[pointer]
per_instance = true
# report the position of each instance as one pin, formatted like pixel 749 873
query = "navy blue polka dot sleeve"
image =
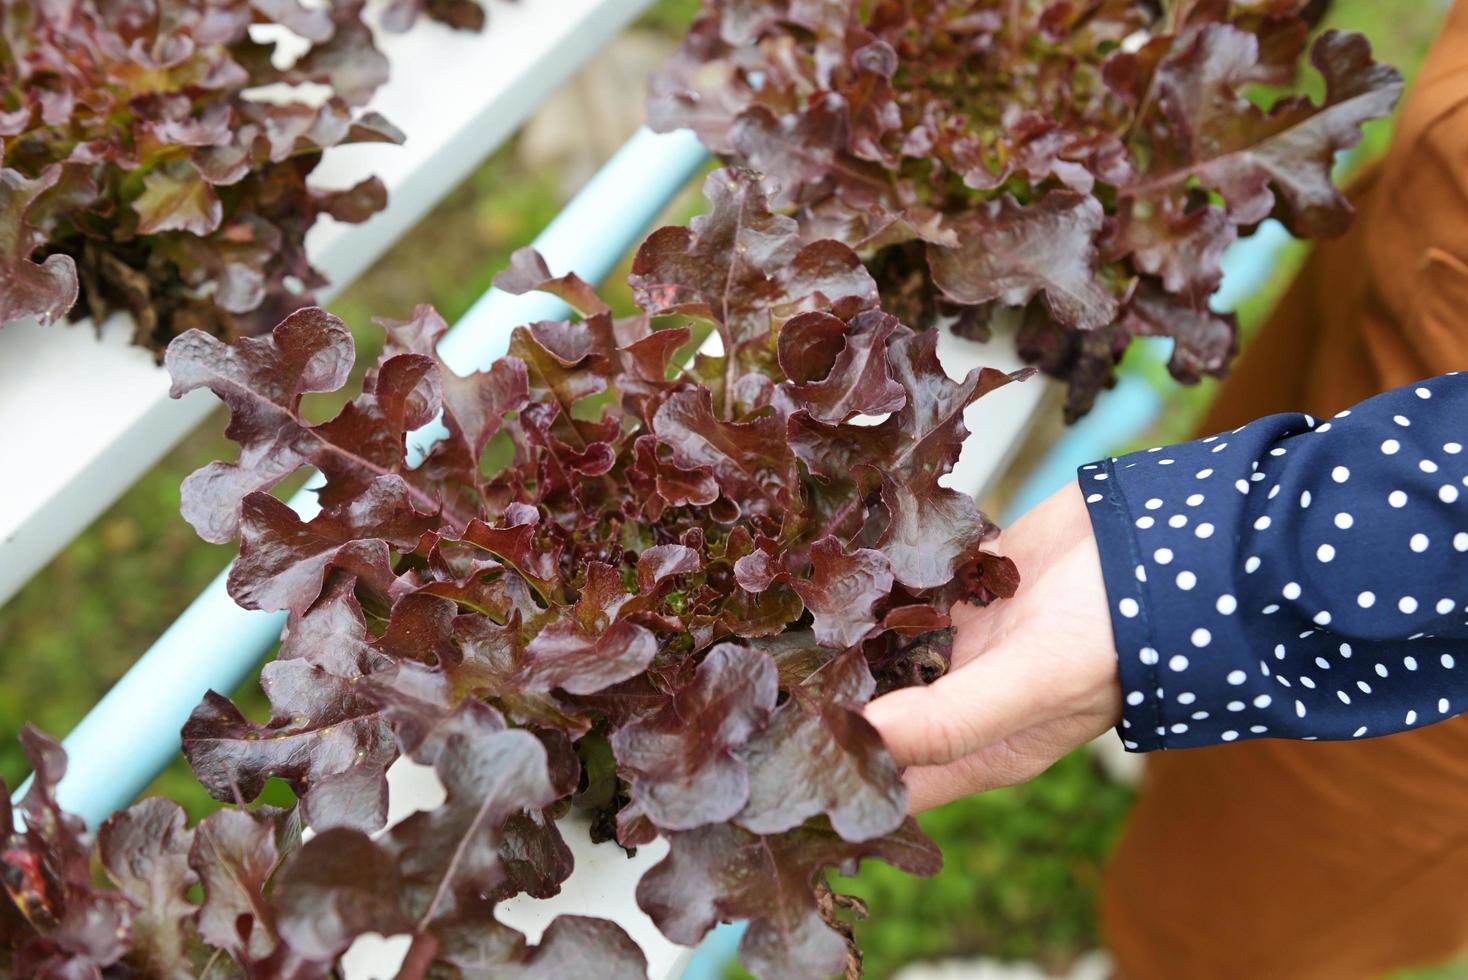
pixel 1294 578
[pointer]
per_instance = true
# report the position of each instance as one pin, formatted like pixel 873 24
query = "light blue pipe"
pixel 718 951
pixel 1129 407
pixel 591 235
pixel 1134 403
pixel 133 732
pixel 1249 264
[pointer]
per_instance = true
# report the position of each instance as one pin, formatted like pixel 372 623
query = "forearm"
pixel 1295 578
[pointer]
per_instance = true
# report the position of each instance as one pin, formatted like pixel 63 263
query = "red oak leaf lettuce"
pixel 720 872
pixel 240 893
pixel 141 170
pixel 1087 162
pixel 665 597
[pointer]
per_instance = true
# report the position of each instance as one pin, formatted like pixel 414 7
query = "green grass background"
pixel 1023 864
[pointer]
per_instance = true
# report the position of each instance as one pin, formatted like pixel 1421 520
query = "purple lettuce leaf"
pixel 1035 155
pixel 141 174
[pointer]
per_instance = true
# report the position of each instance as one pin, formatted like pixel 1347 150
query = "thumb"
pixel 984 701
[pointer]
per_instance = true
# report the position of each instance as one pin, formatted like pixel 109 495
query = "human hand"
pixel 1032 677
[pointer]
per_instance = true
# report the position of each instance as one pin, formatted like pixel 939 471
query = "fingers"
pixel 988 699
pixel 976 629
pixel 991 768
pixel 1016 759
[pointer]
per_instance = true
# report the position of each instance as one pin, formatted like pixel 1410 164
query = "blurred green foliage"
pixel 670 16
pixel 1021 868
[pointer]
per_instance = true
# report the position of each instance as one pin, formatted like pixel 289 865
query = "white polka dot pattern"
pixel 1269 585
